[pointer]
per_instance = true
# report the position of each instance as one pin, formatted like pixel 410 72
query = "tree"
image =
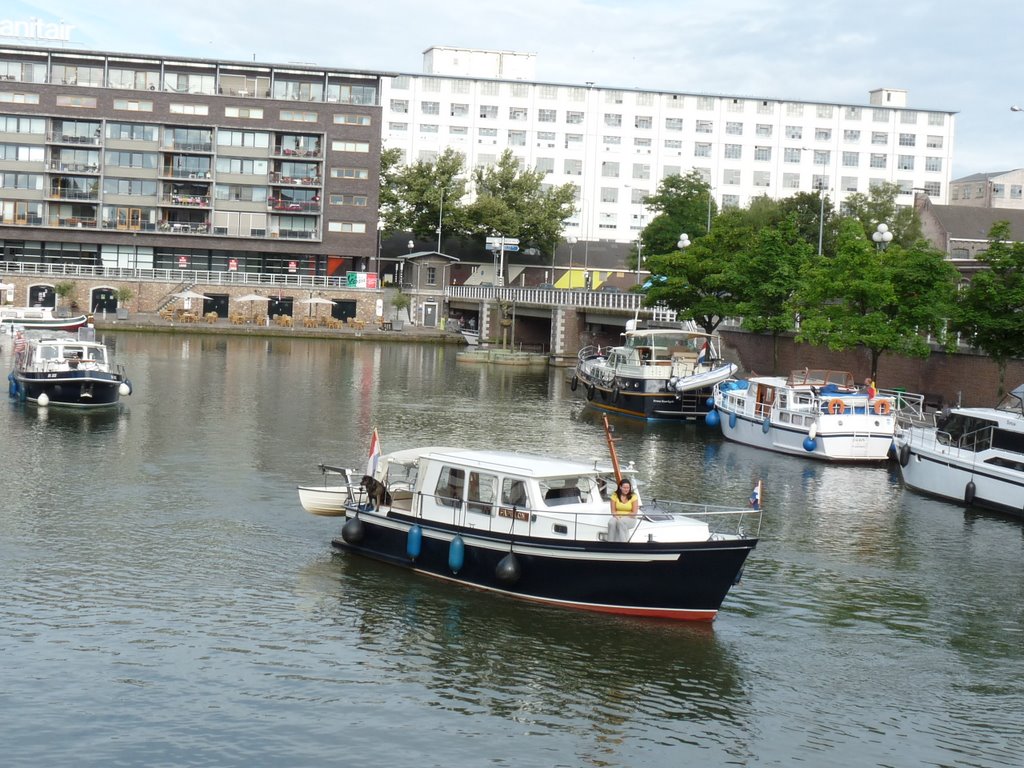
pixel 879 207
pixel 681 205
pixel 884 300
pixel 697 281
pixel 766 276
pixel 412 196
pixel 814 217
pixel 990 312
pixel 513 201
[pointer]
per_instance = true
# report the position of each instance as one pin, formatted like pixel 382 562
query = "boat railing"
pixel 721 521
pixel 355 492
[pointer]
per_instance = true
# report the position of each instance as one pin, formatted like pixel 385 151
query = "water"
pixel 165 600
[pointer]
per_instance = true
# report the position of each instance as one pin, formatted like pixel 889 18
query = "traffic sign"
pixel 499 240
pixel 511 247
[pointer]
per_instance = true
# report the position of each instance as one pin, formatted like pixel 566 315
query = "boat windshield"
pixel 664 345
pixel 1013 402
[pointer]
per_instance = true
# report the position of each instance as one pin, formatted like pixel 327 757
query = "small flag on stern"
pixel 703 354
pixel 755 497
pixel 371 464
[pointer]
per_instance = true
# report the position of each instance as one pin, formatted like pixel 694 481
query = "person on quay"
pixel 625 504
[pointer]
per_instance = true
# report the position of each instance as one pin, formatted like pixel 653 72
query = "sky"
pixel 949 55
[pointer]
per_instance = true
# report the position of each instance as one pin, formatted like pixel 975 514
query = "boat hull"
pixel 73 389
pixel 45 324
pixel 685 581
pixel 960 476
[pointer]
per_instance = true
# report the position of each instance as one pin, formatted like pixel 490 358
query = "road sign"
pixel 511 247
pixel 499 240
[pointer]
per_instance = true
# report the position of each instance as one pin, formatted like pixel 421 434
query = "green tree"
pixel 814 216
pixel 884 300
pixel 412 196
pixel 990 312
pixel 697 281
pixel 879 207
pixel 513 201
pixel 766 276
pixel 681 204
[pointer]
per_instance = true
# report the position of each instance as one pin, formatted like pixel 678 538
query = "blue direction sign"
pixel 511 247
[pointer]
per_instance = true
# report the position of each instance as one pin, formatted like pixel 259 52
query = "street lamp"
pixel 639 258
pixel 440 213
pixel 684 241
pixel 710 190
pixel 882 236
pixel 572 244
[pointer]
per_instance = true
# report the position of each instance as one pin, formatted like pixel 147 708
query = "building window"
pixel 730 201
pixel 572 140
pixel 574 118
pixel 488 112
pixel 765 108
pixel 641 141
pixel 545 136
pixel 933 188
pixel 133 105
pixel 823 134
pixel 643 122
pixel 735 105
pixel 518 113
pixel 350 146
pixel 791 181
pixel 610 169
pixel 400 105
pixel 347 227
pixel 735 151
pixel 936 118
pixel 573 168
pixel 791 155
pixel 430 107
pixel 880 115
pixel 794 132
pixel 351 119
pixel 638 196
pixel 848 183
pixel 731 177
pixel 226 138
pixel 998 190
pixel 611 139
pixel 853 113
pixel 851 159
pixel 428 127
pixel 879 138
pixel 934 142
pixel 706 103
pixel 705 126
pixel 908 117
pixel 824 111
pixel 907 139
pixel 734 129
pixel 296 116
pixel 549 92
pixel 851 137
pixel 398 127
pixel 547 115
pixel 244 113
pixel 517 138
pixel 78 102
pixel 762 153
pixel 613 120
pixel 878 160
pixel 545 165
pixel 764 130
pixel 701 149
pixel 607 221
pixel 13 97
pixel 458 130
pixel 609 194
pixel 762 178
pixel 673 144
pixel 487 132
pixel 190 109
pixel 673 123
pixel 795 110
pixel 641 171
pixel 905 162
pixel 933 163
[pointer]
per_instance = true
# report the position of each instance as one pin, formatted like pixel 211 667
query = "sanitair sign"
pixel 36 29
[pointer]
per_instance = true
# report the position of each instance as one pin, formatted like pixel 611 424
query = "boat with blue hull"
pixel 817 413
pixel 539 529
pixel 64 369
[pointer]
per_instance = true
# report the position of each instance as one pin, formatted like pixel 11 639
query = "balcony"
pixel 295 181
pixel 57 165
pixel 66 138
pixel 57 193
pixel 205 147
pixel 184 227
pixel 73 222
pixel 188 201
pixel 294 206
pixel 300 152
pixel 185 173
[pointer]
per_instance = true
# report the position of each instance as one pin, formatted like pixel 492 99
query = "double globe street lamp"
pixel 882 236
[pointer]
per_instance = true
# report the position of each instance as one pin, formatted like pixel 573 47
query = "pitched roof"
pixel 969 223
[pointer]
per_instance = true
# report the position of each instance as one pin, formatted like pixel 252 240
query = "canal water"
pixel 164 600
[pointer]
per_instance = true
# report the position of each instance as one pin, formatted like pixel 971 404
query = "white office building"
pixel 615 145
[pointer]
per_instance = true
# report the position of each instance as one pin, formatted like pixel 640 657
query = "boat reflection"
pixel 522 661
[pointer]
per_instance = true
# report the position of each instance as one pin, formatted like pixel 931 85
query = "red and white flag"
pixel 371 464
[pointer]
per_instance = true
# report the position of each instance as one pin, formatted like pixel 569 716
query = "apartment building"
pixel 615 145
pixel 145 161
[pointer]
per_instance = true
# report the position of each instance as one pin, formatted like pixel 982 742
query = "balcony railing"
pixel 192 201
pixel 298 181
pixel 67 138
pixel 57 165
pixel 75 194
pixel 294 206
pixel 74 222
pixel 185 227
pixel 185 173
pixel 184 146
pixel 282 151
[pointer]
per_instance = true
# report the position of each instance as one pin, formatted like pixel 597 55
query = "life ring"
pixel 590 391
pixel 835 405
pixel 883 407
pixel 573 383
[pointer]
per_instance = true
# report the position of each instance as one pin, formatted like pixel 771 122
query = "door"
pixel 430 314
pixel 134 218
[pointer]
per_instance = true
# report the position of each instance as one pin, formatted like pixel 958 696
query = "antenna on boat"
pixel 611 449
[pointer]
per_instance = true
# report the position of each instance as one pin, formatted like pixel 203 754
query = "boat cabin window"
pixel 48 353
pixel 450 485
pixel 94 353
pixel 402 474
pixel 482 492
pixel 967 432
pixel 562 490
pixel 513 493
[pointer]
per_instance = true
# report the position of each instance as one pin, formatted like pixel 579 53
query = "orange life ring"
pixel 883 407
pixel 835 405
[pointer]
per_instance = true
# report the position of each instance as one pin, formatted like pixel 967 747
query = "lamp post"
pixel 440 213
pixel 882 236
pixel 572 244
pixel 684 241
pixel 639 258
pixel 380 247
pixel 710 190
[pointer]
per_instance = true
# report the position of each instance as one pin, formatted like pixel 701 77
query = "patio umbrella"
pixel 187 297
pixel 251 297
pixel 316 301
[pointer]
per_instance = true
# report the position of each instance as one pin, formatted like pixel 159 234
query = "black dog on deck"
pixel 376 491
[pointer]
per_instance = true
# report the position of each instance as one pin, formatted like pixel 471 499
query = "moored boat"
pixel 38 318
pixel 539 529
pixel 972 456
pixel 63 369
pixel 657 373
pixel 817 413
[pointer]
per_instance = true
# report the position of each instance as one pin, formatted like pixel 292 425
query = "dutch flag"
pixel 755 497
pixel 371 464
pixel 703 354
